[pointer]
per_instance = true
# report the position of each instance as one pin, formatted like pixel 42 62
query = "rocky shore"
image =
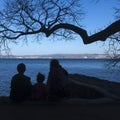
pixel 112 87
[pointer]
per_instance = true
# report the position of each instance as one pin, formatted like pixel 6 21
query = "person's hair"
pixel 21 68
pixel 40 77
pixel 54 63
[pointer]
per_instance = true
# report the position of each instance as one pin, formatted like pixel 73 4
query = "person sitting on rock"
pixel 20 85
pixel 39 89
pixel 57 80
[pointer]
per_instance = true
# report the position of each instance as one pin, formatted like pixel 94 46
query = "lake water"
pixel 91 67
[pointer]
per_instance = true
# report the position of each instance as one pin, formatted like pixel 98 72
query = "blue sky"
pixel 98 15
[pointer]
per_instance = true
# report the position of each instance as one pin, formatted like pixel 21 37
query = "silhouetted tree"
pixel 20 18
pixel 114 43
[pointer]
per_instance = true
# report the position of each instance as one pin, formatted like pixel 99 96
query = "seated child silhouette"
pixel 39 89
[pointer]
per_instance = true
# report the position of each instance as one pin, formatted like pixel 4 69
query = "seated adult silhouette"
pixel 39 91
pixel 20 85
pixel 57 80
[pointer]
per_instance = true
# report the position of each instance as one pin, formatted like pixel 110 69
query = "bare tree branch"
pixel 21 18
pixel 102 35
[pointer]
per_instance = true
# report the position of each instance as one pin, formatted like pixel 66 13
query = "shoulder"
pixel 28 78
pixel 15 76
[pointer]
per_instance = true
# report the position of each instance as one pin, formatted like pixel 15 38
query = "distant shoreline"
pixel 55 58
pixel 58 56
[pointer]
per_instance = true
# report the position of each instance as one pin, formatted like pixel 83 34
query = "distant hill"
pixel 57 56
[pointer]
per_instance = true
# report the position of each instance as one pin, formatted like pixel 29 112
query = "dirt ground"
pixel 101 111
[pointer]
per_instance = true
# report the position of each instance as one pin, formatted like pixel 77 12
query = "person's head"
pixel 40 77
pixel 21 68
pixel 54 63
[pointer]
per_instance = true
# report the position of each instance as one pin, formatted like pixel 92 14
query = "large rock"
pixel 74 90
pixel 77 89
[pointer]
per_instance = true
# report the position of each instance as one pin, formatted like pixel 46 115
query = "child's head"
pixel 40 77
